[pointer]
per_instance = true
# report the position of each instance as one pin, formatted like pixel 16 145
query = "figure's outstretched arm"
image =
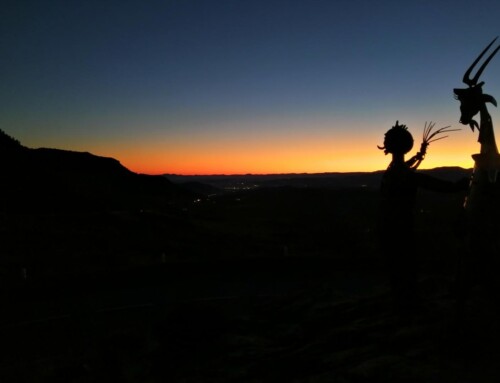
pixel 429 182
pixel 416 160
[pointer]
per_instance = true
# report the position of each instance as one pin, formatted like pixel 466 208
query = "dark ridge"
pixel 9 143
pixel 48 179
pixel 58 160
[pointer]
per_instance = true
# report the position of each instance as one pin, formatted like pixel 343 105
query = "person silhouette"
pixel 398 190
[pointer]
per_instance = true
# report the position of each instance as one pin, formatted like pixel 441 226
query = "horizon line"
pixel 293 173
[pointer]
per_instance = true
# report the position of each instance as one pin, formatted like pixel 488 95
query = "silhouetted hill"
pixel 8 143
pixel 60 180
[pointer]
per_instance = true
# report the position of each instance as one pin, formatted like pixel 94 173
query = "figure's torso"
pixel 398 191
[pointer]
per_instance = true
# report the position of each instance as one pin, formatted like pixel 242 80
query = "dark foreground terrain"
pixel 297 321
pixel 279 284
pixel 111 276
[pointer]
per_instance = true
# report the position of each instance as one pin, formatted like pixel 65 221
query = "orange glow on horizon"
pixel 272 157
pixel 282 148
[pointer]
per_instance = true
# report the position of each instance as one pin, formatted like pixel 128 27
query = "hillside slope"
pixel 47 179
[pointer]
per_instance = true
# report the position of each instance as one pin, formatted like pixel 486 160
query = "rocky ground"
pixel 321 331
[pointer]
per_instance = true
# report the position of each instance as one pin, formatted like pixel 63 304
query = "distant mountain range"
pixel 213 184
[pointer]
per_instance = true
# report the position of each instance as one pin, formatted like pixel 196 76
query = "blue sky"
pixel 132 78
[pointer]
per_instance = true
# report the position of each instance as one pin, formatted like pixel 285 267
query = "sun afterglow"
pixel 278 155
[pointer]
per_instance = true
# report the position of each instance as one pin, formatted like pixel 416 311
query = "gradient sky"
pixel 241 86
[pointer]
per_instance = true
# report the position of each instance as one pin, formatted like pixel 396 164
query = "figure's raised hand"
pixel 430 136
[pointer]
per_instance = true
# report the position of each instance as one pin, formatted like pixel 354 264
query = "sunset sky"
pixel 241 86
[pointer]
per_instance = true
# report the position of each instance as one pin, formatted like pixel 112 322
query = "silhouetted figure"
pixel 481 262
pixel 399 188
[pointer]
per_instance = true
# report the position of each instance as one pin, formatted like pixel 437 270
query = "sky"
pixel 242 86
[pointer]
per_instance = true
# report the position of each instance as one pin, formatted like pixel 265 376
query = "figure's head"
pixel 472 98
pixel 398 140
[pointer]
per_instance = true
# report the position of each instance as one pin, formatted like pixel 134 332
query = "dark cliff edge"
pixel 47 179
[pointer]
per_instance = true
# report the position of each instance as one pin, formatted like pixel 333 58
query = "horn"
pixel 490 99
pixel 473 82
